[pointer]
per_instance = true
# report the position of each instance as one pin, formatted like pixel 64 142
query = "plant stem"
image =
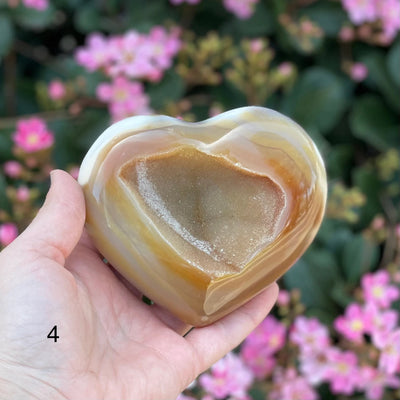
pixel 10 83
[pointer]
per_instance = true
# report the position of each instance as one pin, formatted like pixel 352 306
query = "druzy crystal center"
pixel 214 213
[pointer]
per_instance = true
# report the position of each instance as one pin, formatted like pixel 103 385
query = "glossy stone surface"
pixel 200 217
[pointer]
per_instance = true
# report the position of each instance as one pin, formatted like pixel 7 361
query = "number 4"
pixel 53 334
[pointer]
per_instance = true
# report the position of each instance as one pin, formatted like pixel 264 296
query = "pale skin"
pixel 111 345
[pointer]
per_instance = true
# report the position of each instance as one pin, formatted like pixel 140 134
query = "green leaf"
pixel 326 393
pixel 5 145
pixel 4 203
pixel 88 18
pixel 330 16
pixel 393 62
pixel 359 257
pixel 314 274
pixel 372 122
pixel 318 99
pixel 333 234
pixel 379 75
pixel 34 19
pixel 89 127
pixel 342 293
pixel 256 393
pixel 261 23
pixel 6 34
pixel 338 160
pixel 142 17
pixel 170 89
pixel 367 180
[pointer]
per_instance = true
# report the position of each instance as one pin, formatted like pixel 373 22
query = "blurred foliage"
pixel 224 63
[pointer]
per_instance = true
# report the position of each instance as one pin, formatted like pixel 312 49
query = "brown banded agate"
pixel 201 217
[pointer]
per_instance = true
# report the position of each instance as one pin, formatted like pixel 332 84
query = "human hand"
pixel 111 345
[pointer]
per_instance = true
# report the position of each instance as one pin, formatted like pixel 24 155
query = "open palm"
pixel 110 344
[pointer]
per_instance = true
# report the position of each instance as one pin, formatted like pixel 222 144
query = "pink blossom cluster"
pixel 32 135
pixel 39 5
pixel 386 11
pixel 372 322
pixel 124 97
pixel 362 324
pixel 8 232
pixel 133 54
pixel 260 347
pixel 228 377
pixel 360 353
pixel 243 9
pixel 126 59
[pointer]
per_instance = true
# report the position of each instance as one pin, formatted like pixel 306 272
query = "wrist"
pixel 21 383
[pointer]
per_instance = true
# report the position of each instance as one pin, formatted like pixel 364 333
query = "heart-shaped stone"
pixel 200 217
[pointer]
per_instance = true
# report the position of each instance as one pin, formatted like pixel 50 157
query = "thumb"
pixel 58 226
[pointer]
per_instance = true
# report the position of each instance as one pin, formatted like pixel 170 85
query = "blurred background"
pixel 69 68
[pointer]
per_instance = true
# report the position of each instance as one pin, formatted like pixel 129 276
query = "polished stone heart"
pixel 202 216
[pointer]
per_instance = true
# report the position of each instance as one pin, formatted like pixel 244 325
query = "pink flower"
pixel 215 110
pixel 389 360
pixel 346 34
pixel 286 68
pixel 342 371
pixel 256 45
pixel 269 335
pixel 376 289
pixel 228 377
pixel 32 135
pixel 125 98
pixel 130 56
pixel 258 348
pixel 12 169
pixel 56 89
pixel 358 72
pixel 309 334
pixel 134 55
pixel 283 298
pixel 380 322
pixel 74 172
pixel 36 4
pixel 258 359
pixel 289 385
pixel 164 46
pixel 8 232
pixel 184 397
pixel 389 13
pixel 176 2
pixel 314 366
pixel 243 9
pixel 373 382
pixel 23 193
pixel 96 54
pixel 378 223
pixel 360 10
pixel 353 324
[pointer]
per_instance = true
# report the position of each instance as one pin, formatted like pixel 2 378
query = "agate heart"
pixel 200 217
